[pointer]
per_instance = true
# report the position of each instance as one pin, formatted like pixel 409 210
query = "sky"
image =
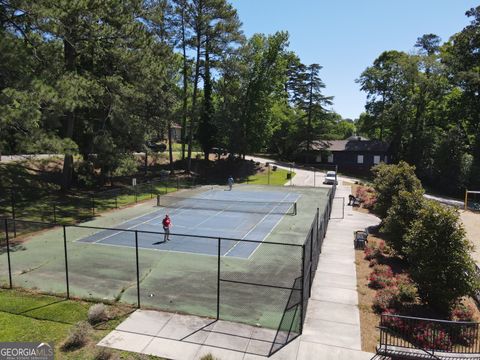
pixel 346 36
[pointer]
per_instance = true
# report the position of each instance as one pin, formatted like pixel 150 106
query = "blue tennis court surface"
pixel 236 214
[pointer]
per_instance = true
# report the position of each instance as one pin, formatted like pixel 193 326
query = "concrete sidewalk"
pixel 331 329
pixel 332 324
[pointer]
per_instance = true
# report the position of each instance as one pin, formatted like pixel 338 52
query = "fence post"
pixel 93 205
pixel 268 171
pixel 314 178
pixel 66 259
pixel 8 253
pixel 302 290
pixel 318 223
pixel 138 268
pixel 12 194
pixel 218 277
pixel 311 264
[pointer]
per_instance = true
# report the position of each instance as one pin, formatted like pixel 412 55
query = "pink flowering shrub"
pixel 367 196
pixel 461 312
pixel 431 336
pixel 381 277
pixel 386 298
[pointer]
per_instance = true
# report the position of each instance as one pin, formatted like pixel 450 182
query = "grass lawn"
pixel 26 316
pixel 277 177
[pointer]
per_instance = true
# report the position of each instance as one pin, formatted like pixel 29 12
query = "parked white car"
pixel 331 178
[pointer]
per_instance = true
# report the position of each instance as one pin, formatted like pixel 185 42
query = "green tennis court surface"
pixel 178 281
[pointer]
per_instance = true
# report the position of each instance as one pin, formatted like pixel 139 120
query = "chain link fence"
pixel 270 288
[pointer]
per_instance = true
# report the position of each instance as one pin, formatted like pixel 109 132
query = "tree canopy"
pixel 101 78
pixel 427 105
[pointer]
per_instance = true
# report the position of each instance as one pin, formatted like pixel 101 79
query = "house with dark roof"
pixel 355 154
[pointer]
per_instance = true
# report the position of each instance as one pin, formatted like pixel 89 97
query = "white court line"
pixel 182 209
pixel 253 228
pixel 103 229
pixel 98 242
pixel 273 228
pixel 131 227
pixel 162 250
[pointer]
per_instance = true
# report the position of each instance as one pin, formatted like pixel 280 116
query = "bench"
pixel 354 201
pixel 360 238
pixel 419 354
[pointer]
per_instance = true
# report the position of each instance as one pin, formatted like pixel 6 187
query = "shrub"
pixel 97 313
pixel 372 252
pixel 407 292
pixel 77 337
pixel 461 312
pixel 103 353
pixel 373 262
pixel 381 277
pixel 385 299
pixel 389 181
pixel 378 281
pixel 383 270
pixel 431 336
pixel 400 215
pixel 394 323
pixel 208 357
pixel 439 254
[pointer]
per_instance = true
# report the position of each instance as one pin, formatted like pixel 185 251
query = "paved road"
pixel 305 178
pixel 11 158
pixel 302 177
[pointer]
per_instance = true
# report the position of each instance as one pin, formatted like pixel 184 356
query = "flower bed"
pixel 385 288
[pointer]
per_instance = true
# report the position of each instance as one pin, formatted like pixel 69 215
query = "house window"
pixel 386 159
pixel 318 158
pixel 359 159
pixel 376 159
pixel 330 158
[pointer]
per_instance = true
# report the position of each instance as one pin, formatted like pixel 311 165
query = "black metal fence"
pixel 275 290
pixel 430 338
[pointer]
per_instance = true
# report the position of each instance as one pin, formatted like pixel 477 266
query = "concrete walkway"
pixel 332 324
pixel 331 329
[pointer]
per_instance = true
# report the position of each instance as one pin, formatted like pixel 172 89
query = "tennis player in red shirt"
pixel 166 222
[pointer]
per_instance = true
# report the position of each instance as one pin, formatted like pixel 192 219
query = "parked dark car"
pixel 156 146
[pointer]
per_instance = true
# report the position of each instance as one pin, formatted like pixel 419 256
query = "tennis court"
pixel 257 281
pixel 238 214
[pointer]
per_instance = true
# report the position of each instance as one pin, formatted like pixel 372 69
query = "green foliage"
pixel 452 163
pixel 403 211
pixel 427 106
pixel 389 181
pixel 125 165
pixel 439 255
pixel 407 291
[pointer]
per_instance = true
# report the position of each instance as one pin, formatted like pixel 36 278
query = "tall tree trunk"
pixel 170 146
pixel 310 101
pixel 185 85
pixel 69 116
pixel 195 84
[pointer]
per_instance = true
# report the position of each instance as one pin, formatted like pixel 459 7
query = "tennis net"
pixel 262 207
